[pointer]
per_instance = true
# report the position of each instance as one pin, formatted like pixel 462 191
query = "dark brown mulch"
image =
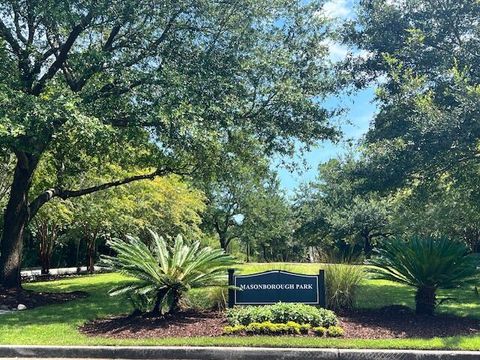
pixel 12 298
pixel 371 324
pixel 400 322
pixel 187 324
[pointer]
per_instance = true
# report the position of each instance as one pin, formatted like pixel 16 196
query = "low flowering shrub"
pixel 268 328
pixel 319 330
pixel 282 313
pixel 335 331
pixel 289 328
pixel 232 330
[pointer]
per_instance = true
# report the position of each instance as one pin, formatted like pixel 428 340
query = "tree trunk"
pixel 264 248
pixel 367 247
pixel 47 235
pixel 78 262
pixel 16 218
pixel 223 242
pixel 91 253
pixel 425 300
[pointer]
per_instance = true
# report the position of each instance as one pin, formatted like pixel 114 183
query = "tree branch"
pixel 49 194
pixel 114 32
pixel 63 54
pixel 7 35
pixel 16 21
pixel 77 85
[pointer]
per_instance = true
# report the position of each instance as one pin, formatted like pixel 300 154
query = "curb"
pixel 221 353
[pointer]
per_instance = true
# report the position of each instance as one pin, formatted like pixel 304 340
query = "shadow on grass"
pixel 97 304
pixel 374 294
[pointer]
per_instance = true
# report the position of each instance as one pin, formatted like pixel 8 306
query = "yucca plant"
pixel 427 264
pixel 165 273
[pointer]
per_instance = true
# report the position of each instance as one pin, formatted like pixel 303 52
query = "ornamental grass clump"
pixel 426 264
pixel 342 281
pixel 165 273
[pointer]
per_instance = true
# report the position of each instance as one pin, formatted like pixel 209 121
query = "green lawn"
pixel 57 324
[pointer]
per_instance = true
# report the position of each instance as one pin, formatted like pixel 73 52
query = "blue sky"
pixel 354 123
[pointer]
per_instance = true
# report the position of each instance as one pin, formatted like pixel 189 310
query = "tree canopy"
pixel 165 86
pixel 424 57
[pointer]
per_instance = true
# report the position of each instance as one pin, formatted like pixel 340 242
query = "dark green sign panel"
pixel 275 286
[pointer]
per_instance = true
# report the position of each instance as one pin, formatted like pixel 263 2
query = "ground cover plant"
pixel 268 328
pixel 42 325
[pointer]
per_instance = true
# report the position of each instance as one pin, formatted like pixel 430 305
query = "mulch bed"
pixel 372 324
pixel 183 324
pixel 10 299
pixel 401 322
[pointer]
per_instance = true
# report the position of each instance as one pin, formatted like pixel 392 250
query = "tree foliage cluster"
pixel 174 87
pixel 416 170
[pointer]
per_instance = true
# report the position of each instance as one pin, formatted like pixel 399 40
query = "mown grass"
pixel 58 324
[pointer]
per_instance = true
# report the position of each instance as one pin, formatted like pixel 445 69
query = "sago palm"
pixel 166 272
pixel 426 264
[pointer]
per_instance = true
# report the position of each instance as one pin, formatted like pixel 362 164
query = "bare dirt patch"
pixel 368 324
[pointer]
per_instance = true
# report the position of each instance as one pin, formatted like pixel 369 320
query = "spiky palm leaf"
pixel 165 272
pixel 424 263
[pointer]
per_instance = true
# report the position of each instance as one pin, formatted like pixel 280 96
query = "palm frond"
pixel 166 272
pixel 436 263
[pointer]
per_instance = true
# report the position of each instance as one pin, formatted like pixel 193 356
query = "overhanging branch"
pixel 63 53
pixel 49 194
pixel 8 37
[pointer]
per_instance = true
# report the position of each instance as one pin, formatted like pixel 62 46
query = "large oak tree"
pixel 160 85
pixel 424 55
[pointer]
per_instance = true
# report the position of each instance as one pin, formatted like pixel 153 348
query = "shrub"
pixel 295 328
pixel 248 314
pixel 165 273
pixel 426 264
pixel 282 313
pixel 232 330
pixel 319 330
pixel 268 328
pixel 342 281
pixel 335 331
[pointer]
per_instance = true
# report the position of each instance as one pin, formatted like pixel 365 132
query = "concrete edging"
pixel 230 353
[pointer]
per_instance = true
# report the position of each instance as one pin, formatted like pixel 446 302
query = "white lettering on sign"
pixel 276 286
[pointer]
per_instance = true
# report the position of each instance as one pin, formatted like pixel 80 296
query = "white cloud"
pixel 336 51
pixel 337 9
